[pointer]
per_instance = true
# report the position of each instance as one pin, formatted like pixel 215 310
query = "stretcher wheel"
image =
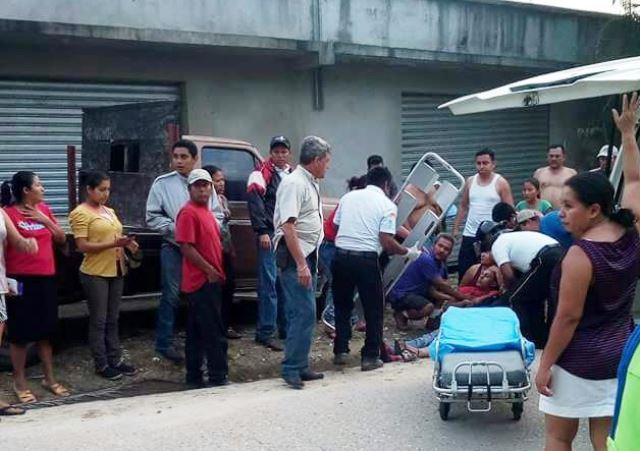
pixel 516 409
pixel 444 408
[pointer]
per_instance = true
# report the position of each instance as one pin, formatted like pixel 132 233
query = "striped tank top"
pixel 606 324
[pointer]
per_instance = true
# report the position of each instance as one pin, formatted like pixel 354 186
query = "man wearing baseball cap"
pixel 549 224
pixel 261 195
pixel 198 234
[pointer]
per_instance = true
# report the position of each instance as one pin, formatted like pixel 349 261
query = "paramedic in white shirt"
pixel 366 221
pixel 526 260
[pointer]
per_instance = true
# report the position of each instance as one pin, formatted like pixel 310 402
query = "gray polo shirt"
pixel 298 197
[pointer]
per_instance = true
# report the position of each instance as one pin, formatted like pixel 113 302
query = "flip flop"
pixel 57 389
pixel 9 410
pixel 25 396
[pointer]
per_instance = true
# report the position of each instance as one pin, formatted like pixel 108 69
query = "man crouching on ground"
pixel 198 234
pixel 424 284
pixel 298 221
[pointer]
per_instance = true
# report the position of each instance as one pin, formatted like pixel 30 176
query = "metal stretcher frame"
pixel 422 176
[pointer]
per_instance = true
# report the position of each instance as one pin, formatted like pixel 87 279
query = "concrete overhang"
pixel 303 53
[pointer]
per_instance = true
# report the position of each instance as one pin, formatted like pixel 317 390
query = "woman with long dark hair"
pixel 9 234
pixel 596 285
pixel 98 235
pixel 33 312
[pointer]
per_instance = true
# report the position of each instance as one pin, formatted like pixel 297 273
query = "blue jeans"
pixel 423 341
pixel 327 252
pixel 170 275
pixel 271 310
pixel 300 306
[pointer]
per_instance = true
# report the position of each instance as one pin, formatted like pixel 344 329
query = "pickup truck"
pixel 132 143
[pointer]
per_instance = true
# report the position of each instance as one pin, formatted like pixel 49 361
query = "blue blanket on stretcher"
pixel 480 329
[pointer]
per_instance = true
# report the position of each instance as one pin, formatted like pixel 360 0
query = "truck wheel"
pixel 444 408
pixel 5 358
pixel 517 409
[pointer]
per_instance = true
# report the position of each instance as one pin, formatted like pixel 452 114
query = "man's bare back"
pixel 552 181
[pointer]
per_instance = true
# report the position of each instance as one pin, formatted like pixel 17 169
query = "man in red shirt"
pixel 198 234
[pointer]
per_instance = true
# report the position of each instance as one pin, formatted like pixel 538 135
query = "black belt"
pixel 363 254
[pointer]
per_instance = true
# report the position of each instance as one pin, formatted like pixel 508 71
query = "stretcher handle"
pixel 447 166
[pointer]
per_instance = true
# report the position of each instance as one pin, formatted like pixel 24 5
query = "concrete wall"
pixel 417 30
pixel 255 98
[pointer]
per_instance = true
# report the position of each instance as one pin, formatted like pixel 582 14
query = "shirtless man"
pixel 552 177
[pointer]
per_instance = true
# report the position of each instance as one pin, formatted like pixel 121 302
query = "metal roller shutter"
pixel 518 137
pixel 39 119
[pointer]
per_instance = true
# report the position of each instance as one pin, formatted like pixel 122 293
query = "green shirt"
pixel 543 206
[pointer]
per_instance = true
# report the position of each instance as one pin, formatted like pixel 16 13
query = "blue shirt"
pixel 418 276
pixel 551 225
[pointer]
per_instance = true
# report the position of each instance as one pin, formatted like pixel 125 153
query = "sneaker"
pixel 127 370
pixel 109 372
pixel 172 355
pixel 369 364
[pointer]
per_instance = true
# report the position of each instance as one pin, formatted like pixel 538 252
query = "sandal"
pixel 57 389
pixel 10 410
pixel 25 396
pixel 399 346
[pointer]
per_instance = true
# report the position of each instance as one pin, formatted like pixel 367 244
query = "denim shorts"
pixel 3 309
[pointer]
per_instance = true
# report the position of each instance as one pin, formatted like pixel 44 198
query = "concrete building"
pixel 365 74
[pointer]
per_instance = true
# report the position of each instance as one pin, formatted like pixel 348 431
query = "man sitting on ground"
pixel 424 284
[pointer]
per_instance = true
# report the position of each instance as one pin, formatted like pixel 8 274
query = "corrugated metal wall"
pixel 518 137
pixel 39 119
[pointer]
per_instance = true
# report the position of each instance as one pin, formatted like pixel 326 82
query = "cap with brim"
pixel 279 140
pixel 604 151
pixel 525 215
pixel 199 174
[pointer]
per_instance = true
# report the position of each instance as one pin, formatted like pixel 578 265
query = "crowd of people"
pixel 563 258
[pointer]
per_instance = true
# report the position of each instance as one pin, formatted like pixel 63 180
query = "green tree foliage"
pixel 621 36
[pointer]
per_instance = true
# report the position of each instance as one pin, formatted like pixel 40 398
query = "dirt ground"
pixel 247 360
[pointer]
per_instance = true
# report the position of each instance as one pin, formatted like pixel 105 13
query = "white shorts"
pixel 3 310
pixel 575 397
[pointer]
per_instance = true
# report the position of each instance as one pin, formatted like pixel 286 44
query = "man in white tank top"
pixel 481 192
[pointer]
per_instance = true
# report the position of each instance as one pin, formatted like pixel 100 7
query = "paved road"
pixel 391 409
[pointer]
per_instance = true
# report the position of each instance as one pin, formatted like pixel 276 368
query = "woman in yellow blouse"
pixel 98 235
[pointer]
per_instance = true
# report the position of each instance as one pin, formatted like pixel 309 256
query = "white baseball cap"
pixel 604 151
pixel 199 174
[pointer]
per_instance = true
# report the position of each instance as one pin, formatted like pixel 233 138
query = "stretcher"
pixel 481 358
pixel 423 176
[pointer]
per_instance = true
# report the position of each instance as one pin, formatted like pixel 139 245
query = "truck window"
pixel 236 164
pixel 124 156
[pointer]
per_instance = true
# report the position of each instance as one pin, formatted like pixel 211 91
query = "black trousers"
pixel 206 335
pixel 528 297
pixel 228 289
pixel 467 255
pixel 351 271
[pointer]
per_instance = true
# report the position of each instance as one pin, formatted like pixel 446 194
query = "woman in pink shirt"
pixel 33 313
